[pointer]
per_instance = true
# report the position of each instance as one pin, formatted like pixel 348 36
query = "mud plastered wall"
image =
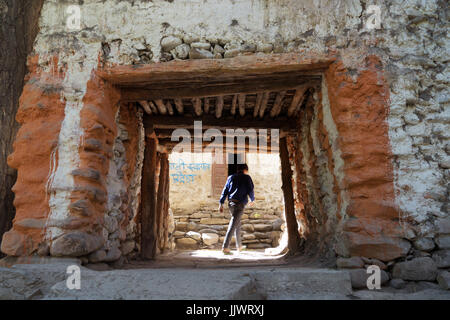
pixel 199 224
pixel 407 56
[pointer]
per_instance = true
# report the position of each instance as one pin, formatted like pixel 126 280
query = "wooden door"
pixel 219 175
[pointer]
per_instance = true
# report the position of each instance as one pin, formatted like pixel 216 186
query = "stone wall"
pixel 377 152
pixel 199 224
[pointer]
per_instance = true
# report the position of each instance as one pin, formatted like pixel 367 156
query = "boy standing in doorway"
pixel 238 188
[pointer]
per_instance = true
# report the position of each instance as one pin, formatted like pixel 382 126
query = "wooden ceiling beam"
pixel 264 102
pixel 197 103
pixel 169 145
pixel 219 106
pixel 241 103
pixel 144 104
pixel 234 104
pixel 169 107
pixel 297 100
pixel 179 105
pixel 206 104
pixel 161 106
pixel 278 104
pixel 259 98
pixel 153 107
pixel 167 133
pixel 210 121
pixel 208 90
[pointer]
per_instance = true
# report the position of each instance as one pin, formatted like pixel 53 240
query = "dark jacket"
pixel 239 187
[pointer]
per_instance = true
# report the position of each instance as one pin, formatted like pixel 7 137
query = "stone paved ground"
pixel 180 277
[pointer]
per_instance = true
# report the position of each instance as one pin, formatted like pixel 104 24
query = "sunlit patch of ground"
pixel 211 258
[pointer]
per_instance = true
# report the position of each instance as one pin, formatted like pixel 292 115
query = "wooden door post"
pixel 160 206
pixel 148 194
pixel 294 240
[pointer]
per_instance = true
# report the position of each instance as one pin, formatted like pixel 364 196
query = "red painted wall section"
pixel 360 108
pixel 40 114
pixel 89 196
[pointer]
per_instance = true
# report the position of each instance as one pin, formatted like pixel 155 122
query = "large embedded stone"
pixel 181 226
pixel 442 258
pixel 113 254
pixel 127 247
pixel 31 223
pixel 210 238
pixel 442 225
pixel 186 243
pixel 232 53
pixel 397 283
pixel 80 207
pixel 378 246
pixel 196 53
pixel 13 243
pixel 443 279
pixel 264 47
pixel 417 269
pixel 263 227
pixel 201 45
pixel 262 235
pixel 443 241
pixel 97 256
pixel 194 235
pixel 376 262
pixel 179 234
pixel 359 278
pixel 181 51
pixel 218 49
pixel 200 215
pixel 110 224
pixel 170 42
pixel 248 236
pixel 350 263
pixel 207 230
pixel 75 244
pixel 209 221
pixel 424 244
pixel 277 224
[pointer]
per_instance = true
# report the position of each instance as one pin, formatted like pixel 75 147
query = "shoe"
pixel 242 248
pixel 226 251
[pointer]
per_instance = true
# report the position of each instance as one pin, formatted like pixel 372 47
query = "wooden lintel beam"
pixel 216 68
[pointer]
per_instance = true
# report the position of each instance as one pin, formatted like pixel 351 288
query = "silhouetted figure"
pixel 238 188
